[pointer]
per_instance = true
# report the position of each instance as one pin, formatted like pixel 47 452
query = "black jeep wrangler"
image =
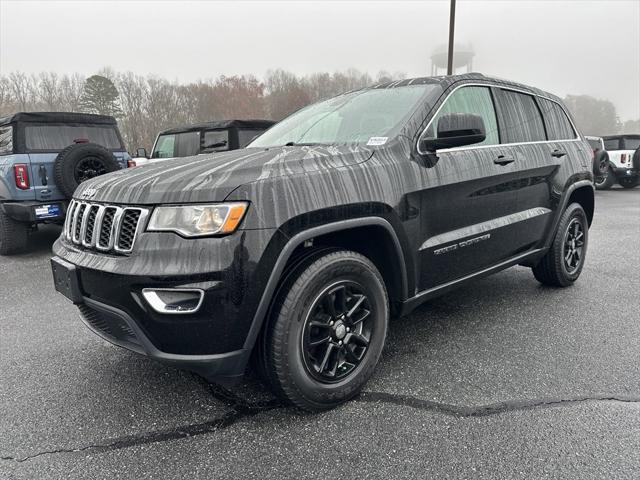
pixel 296 250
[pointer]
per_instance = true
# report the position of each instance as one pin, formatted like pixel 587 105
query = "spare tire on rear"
pixel 600 163
pixel 80 162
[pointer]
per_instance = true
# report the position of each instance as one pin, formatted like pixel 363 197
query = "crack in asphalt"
pixel 490 409
pixel 240 409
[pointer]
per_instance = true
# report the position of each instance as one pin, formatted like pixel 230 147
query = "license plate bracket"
pixel 65 279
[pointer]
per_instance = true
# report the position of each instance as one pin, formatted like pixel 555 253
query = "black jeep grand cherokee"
pixel 298 249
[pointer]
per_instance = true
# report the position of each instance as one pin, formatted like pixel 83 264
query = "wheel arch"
pixel 584 195
pixel 341 234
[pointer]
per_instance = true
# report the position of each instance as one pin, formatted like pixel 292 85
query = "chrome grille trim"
pixel 100 235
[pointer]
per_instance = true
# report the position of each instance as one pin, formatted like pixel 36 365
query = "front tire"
pixel 327 331
pixel 563 263
pixel 629 182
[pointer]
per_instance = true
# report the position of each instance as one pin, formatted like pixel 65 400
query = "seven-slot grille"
pixel 103 227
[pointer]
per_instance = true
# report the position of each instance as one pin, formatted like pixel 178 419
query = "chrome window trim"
pixel 503 87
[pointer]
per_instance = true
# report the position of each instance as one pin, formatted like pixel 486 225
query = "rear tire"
pixel 563 263
pixel 604 181
pixel 13 235
pixel 327 331
pixel 629 182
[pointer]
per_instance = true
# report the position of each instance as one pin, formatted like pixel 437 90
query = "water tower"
pixel 462 58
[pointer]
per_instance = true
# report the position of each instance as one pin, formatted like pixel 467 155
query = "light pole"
pixel 452 21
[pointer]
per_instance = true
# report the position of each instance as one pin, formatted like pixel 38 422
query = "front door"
pixel 471 218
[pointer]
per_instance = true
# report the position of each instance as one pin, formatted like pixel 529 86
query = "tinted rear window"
pixel 631 143
pixel 558 125
pixel 247 135
pixel 612 144
pixel 520 118
pixel 57 137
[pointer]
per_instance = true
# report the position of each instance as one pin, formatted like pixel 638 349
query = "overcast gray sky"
pixel 576 47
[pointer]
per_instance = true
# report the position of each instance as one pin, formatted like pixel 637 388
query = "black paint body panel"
pixel 451 217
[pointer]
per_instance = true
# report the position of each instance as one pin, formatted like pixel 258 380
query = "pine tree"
pixel 100 95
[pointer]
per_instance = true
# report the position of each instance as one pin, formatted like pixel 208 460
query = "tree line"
pixel 144 105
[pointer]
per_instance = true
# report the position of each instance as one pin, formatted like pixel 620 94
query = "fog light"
pixel 174 300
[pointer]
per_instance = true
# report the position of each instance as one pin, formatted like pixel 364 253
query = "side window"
pixel 6 140
pixel 520 118
pixel 245 136
pixel 558 125
pixel 476 100
pixel 215 141
pixel 612 144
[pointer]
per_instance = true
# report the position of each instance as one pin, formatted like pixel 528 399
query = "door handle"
pixel 558 153
pixel 504 160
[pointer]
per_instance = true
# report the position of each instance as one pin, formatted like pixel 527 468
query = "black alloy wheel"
pixel 337 332
pixel 573 246
pixel 563 262
pixel 326 331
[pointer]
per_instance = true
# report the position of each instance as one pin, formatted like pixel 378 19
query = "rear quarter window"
pixel 57 137
pixel 6 140
pixel 519 118
pixel 558 125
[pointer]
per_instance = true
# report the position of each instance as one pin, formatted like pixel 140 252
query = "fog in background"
pixel 565 47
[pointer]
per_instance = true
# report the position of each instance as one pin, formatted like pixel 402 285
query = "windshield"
pixel 177 145
pixel 368 116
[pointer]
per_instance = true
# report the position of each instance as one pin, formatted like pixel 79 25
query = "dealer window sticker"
pixel 376 141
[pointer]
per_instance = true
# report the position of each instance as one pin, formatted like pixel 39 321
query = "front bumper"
pixel 230 271
pixel 625 172
pixel 117 327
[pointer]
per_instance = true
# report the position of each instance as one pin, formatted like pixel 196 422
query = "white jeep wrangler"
pixel 623 162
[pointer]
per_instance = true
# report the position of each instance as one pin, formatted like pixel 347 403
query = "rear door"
pixel 525 141
pixel 470 215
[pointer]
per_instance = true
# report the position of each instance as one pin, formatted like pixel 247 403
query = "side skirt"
pixel 410 304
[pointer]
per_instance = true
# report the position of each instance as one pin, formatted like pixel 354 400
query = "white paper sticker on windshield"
pixel 373 141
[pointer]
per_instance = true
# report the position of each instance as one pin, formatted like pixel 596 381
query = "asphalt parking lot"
pixel 500 379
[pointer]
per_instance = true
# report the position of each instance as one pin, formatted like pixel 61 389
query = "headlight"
pixel 198 220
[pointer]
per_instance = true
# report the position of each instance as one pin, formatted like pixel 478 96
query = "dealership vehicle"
pixel 602 179
pixel 624 161
pixel 296 250
pixel 202 138
pixel 43 158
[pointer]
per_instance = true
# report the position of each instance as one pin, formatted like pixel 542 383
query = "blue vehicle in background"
pixel 44 156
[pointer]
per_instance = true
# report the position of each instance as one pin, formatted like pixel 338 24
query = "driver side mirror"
pixel 455 130
pixel 141 152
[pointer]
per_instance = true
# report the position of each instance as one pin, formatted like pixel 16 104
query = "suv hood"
pixel 212 177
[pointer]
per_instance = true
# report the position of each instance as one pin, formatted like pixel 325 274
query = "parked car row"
pixel 45 156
